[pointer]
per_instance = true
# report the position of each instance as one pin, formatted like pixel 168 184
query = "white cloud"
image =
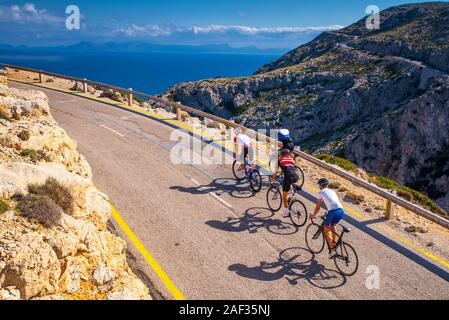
pixel 151 30
pixel 158 30
pixel 30 7
pixel 253 31
pixel 27 13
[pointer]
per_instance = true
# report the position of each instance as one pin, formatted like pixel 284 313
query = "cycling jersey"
pixel 243 140
pixel 288 167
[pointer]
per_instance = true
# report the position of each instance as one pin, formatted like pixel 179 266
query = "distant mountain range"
pixel 142 47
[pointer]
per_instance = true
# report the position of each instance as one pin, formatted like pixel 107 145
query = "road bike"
pixel 249 172
pixel 298 210
pixel 345 258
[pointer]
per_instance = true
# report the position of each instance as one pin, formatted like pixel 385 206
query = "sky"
pixel 238 23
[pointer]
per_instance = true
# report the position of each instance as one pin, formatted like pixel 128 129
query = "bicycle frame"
pixel 248 168
pixel 321 230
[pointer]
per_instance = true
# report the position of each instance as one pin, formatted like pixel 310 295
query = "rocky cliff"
pixel 54 243
pixel 376 97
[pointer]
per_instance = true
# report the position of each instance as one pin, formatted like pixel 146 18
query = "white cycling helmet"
pixel 284 134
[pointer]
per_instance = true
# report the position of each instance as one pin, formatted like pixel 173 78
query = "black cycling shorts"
pixel 287 184
pixel 248 152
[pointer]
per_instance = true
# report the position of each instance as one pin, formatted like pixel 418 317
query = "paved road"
pixel 218 241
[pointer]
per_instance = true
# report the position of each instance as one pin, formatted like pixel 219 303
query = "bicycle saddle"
pixel 346 230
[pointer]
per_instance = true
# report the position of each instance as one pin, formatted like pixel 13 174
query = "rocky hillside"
pixel 54 243
pixel 376 97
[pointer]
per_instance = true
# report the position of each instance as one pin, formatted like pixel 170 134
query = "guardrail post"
pixel 389 210
pixel 268 148
pixel 130 97
pixel 232 137
pixel 85 86
pixel 40 77
pixel 178 114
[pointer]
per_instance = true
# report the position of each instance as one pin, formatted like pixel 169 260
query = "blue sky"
pixel 262 23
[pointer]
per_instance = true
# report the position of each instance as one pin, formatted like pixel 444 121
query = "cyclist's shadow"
pixel 293 264
pixel 253 220
pixel 234 188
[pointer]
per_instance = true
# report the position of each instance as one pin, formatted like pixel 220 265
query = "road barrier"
pixel 390 198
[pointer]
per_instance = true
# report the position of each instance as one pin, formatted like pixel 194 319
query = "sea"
pixel 151 73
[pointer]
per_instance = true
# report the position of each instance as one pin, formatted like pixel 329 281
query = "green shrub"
pixel 54 190
pixel 406 192
pixel 342 163
pixel 40 208
pixel 32 154
pixel 3 206
pixel 24 135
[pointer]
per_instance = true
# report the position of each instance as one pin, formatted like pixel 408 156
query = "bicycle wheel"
pixel 346 260
pixel 301 179
pixel 237 170
pixel 315 238
pixel 298 213
pixel 274 199
pixel 255 181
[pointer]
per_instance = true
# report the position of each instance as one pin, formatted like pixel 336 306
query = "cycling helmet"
pixel 323 182
pixel 284 134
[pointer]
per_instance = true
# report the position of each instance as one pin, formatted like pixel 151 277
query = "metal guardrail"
pixel 389 197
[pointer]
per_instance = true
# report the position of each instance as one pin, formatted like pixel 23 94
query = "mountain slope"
pixel 378 98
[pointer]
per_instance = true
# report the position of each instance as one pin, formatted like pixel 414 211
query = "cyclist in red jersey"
pixel 288 167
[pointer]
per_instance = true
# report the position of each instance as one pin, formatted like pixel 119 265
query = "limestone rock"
pixel 76 259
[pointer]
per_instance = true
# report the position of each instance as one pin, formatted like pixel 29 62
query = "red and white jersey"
pixel 286 161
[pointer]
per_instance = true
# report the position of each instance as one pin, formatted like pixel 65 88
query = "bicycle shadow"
pixel 293 264
pixel 253 220
pixel 231 186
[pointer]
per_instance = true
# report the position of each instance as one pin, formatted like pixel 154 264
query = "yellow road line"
pixel 174 291
pixel 226 145
pixel 422 251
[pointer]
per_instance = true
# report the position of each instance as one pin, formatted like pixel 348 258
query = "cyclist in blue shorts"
pixel 334 215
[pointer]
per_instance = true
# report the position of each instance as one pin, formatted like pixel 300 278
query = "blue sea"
pixel 147 72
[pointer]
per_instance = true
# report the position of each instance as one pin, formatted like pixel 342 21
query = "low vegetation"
pixel 32 154
pixel 24 135
pixel 41 209
pixel 3 114
pixel 3 206
pixel 55 191
pixel 342 163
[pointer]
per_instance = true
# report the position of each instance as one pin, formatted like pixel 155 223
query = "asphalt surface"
pixel 214 238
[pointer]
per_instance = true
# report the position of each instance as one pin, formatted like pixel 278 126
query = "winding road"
pixel 210 235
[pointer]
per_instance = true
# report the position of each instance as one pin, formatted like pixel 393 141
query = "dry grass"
pixel 41 209
pixel 24 135
pixel 4 115
pixel 55 191
pixel 3 206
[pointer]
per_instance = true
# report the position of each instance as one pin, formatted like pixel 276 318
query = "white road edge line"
pixel 223 202
pixel 113 131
